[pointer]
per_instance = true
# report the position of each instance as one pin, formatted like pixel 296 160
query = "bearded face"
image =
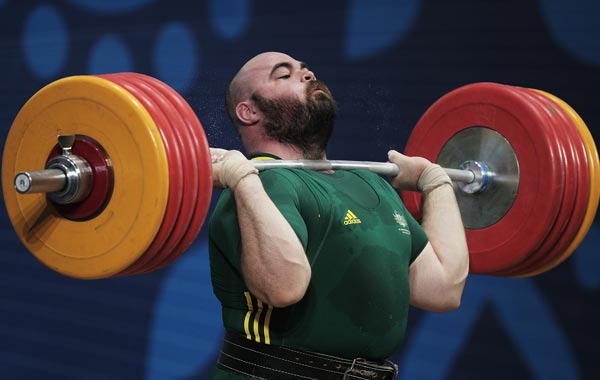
pixel 307 126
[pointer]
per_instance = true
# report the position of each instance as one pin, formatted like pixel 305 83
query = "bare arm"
pixel 274 264
pixel 437 277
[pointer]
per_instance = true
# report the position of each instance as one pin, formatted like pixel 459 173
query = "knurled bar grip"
pixel 51 180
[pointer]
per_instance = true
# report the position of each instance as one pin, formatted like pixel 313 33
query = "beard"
pixel 307 126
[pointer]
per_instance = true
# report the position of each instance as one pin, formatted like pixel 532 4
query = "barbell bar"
pixel 383 168
pixel 62 180
pixel 502 147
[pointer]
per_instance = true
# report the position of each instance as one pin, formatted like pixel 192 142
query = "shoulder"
pixel 289 179
pixel 374 178
pixel 277 174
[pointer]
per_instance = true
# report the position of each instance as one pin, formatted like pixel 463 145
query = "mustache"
pixel 319 99
pixel 318 85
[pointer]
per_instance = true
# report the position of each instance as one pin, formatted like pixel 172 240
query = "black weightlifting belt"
pixel 268 362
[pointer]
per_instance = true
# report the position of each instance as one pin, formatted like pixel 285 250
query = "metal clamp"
pixel 67 178
pixel 482 174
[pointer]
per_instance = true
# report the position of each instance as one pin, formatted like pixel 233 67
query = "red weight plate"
pixel 577 210
pixel 172 149
pixel 541 182
pixel 204 173
pixel 182 217
pixel 190 170
pixel 565 207
pixel 168 256
pixel 102 184
pixel 594 183
pixel 569 159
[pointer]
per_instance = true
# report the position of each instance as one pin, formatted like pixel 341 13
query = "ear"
pixel 247 113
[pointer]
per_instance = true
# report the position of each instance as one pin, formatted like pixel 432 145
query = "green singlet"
pixel 359 239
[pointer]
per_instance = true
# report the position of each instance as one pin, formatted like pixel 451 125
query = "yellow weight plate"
pixel 594 197
pixel 110 242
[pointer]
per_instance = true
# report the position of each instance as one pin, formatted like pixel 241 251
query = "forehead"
pixel 256 72
pixel 264 63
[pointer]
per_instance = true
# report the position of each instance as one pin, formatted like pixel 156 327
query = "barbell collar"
pixel 78 174
pixel 481 173
pixel 67 179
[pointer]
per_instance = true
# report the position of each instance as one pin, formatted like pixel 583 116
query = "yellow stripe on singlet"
pixel 248 314
pixel 267 321
pixel 257 320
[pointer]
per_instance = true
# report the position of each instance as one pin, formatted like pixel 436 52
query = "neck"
pixel 260 143
pixel 283 151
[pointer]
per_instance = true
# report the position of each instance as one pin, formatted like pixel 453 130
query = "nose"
pixel 308 76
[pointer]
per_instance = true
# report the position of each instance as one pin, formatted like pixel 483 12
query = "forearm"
pixel 437 276
pixel 274 264
pixel 443 225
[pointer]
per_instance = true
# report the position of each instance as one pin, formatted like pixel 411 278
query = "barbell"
pixel 127 187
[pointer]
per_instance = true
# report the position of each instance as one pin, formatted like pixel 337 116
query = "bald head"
pixel 253 74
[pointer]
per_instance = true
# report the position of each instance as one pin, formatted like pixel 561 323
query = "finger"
pixel 394 155
pixel 217 154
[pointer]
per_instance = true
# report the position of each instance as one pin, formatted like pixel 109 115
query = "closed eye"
pixel 284 76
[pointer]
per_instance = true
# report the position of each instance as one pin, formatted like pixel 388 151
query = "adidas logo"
pixel 351 218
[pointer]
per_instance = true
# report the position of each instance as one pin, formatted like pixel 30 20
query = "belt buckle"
pixel 395 367
pixel 366 372
pixel 351 368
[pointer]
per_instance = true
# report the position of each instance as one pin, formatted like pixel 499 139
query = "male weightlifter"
pixel 316 270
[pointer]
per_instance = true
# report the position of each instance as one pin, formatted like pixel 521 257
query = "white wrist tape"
pixel 433 177
pixel 234 169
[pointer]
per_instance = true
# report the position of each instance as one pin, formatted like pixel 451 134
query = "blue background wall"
pixel 386 61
